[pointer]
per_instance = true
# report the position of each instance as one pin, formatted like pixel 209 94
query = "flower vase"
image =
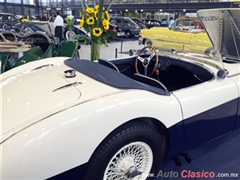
pixel 95 51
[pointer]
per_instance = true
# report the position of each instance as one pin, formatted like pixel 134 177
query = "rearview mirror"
pixel 222 73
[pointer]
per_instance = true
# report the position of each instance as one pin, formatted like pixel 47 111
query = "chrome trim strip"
pixel 233 75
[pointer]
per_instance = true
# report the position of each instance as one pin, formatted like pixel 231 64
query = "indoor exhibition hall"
pixel 119 89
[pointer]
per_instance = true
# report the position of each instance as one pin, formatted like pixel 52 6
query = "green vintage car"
pixel 16 49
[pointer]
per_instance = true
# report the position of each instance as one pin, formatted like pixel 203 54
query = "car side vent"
pixel 43 66
pixel 68 86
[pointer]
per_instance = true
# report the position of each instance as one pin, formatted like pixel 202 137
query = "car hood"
pixel 32 95
pixel 223 28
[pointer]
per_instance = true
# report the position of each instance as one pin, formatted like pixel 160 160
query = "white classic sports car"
pixel 77 119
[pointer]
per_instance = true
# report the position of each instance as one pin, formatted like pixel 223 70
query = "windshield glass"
pixel 184 23
pixel 42 25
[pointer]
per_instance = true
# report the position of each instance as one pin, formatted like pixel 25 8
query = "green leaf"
pixel 100 10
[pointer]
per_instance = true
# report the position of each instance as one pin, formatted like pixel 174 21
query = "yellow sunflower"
pixel 96 14
pixel 82 22
pixel 107 15
pixel 105 24
pixel 97 32
pixel 97 7
pixel 90 21
pixel 90 10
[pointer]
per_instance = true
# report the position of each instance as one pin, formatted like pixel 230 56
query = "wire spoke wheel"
pixel 133 161
pixel 130 152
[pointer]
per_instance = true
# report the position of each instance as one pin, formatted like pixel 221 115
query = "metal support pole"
pixel 121 46
pixel 116 51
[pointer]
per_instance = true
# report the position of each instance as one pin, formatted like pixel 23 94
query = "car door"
pixel 209 110
pixel 234 75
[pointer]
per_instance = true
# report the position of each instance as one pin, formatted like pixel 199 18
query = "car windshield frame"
pixel 185 22
pixel 44 25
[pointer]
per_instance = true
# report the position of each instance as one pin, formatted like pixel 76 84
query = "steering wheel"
pixel 6 27
pixel 13 46
pixel 3 38
pixel 8 33
pixel 145 61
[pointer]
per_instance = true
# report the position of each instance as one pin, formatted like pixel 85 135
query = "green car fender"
pixel 67 48
pixel 64 48
pixel 3 60
pixel 25 59
pixel 33 54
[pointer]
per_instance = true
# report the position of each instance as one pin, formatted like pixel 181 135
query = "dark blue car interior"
pixel 174 73
pixel 110 76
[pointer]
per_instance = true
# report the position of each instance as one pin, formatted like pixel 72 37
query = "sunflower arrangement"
pixel 95 21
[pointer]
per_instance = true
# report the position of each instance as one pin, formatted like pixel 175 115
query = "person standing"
pixel 200 25
pixel 58 25
pixel 164 23
pixel 44 18
pixel 40 17
pixel 170 22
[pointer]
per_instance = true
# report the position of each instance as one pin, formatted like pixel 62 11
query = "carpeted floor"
pixel 221 157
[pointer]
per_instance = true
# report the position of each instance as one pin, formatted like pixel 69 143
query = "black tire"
pixel 148 42
pixel 127 134
pixel 128 34
pixel 6 27
pixel 208 51
pixel 67 34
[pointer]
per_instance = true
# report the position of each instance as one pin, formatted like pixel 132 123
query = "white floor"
pixel 110 51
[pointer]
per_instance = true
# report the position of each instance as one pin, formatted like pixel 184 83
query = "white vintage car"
pixel 120 119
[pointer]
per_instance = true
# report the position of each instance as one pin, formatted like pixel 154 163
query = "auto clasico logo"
pixel 189 174
pixel 186 174
pixel 197 174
